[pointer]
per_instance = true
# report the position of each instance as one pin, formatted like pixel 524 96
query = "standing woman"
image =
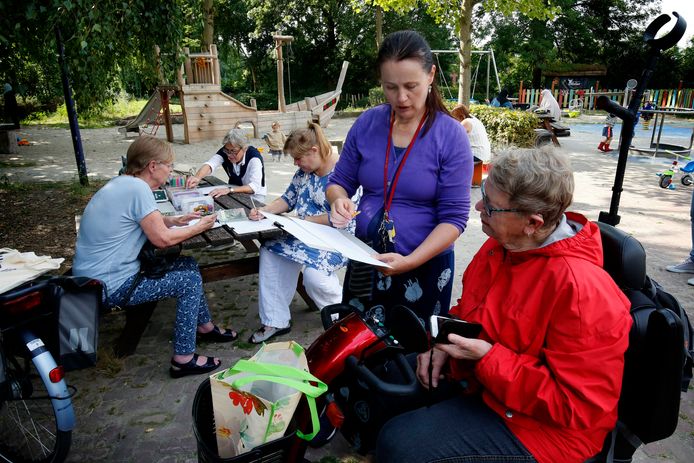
pixel 118 220
pixel 415 165
pixel 242 163
pixel 282 259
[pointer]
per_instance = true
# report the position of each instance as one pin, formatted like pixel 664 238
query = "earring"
pixel 429 90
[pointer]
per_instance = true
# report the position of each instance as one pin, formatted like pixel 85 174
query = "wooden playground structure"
pixel 209 113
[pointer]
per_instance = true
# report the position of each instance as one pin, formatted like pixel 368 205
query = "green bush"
pixel 507 127
pixel 376 96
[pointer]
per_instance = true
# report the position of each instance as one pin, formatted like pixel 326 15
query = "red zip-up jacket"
pixel 559 326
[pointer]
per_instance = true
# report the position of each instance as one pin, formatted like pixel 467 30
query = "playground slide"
pixel 147 116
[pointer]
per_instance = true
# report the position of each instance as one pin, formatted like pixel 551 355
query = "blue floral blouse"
pixel 305 196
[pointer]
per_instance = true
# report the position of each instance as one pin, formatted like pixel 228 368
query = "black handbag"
pixel 155 264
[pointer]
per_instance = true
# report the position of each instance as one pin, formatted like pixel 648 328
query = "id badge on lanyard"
pixel 386 231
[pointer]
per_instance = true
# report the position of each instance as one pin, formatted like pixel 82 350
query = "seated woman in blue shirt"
pixel 116 223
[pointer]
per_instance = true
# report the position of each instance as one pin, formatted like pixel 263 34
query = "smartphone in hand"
pixel 441 327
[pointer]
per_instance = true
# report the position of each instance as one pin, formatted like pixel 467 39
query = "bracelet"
pixel 231 190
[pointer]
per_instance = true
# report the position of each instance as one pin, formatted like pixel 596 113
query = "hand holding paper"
pixel 327 238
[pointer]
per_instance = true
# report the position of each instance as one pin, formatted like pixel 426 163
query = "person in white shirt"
pixel 476 133
pixel 243 164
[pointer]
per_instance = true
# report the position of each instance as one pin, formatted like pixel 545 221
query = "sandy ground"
pixel 656 217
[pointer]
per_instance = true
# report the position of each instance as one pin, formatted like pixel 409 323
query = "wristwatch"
pixel 231 190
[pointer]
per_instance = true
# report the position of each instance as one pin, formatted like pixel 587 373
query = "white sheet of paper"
pixel 327 238
pixel 251 226
pixel 194 221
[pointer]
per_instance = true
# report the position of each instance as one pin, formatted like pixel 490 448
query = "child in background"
pixel 604 145
pixel 275 141
pixel 647 116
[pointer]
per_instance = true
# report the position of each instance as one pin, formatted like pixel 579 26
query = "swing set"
pixel 491 61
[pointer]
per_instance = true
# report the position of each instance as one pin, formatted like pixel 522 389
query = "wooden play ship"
pixel 209 113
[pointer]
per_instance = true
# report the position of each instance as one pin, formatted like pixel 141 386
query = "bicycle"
pixel 667 176
pixel 36 412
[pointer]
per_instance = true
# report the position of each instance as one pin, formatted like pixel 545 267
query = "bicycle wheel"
pixel 28 421
pixel 665 181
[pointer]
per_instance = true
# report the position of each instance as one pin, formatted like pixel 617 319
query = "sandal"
pixel 191 367
pixel 216 335
pixel 266 332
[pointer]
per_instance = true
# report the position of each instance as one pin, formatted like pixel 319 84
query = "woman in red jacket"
pixel 542 381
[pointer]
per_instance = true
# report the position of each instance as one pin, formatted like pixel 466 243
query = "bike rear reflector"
pixel 56 374
pixel 22 304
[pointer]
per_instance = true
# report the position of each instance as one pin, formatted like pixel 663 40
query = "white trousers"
pixel 277 284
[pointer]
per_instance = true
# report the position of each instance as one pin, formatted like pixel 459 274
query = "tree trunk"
pixel 208 30
pixel 465 72
pixel 379 26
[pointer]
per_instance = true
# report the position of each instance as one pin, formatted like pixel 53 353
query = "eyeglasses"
pixel 170 165
pixel 232 151
pixel 487 208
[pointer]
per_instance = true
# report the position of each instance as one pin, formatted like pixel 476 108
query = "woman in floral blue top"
pixel 281 260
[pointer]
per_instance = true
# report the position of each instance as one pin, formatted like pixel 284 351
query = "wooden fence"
pixel 586 98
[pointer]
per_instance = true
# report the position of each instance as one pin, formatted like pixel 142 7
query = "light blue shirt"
pixel 110 236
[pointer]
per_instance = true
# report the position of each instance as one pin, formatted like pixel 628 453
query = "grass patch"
pixel 122 108
pixel 74 189
pixel 11 164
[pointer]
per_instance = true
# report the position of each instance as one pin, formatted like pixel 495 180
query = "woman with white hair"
pixel 243 164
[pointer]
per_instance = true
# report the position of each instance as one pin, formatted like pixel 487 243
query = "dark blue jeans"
pixel 454 428
pixel 457 430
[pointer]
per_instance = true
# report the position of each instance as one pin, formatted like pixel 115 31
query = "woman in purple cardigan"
pixel 415 166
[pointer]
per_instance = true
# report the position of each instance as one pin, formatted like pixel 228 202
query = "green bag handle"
pixel 285 375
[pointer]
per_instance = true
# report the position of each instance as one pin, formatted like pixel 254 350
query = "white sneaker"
pixel 690 281
pixel 685 267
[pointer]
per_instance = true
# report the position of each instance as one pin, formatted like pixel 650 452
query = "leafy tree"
pixel 458 15
pixel 101 39
pixel 607 32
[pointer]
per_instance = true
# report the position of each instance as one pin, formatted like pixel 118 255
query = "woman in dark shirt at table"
pixel 116 223
pixel 243 164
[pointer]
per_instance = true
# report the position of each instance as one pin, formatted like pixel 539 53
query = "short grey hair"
pixel 236 137
pixel 537 181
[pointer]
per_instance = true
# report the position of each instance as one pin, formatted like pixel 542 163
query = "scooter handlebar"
pixel 408 388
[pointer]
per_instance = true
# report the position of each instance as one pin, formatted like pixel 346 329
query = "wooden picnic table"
pixel 225 235
pixel 546 122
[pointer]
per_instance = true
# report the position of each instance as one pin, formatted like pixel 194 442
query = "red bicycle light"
pixel 56 374
pixel 335 415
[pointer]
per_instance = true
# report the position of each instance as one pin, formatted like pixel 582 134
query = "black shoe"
pixel 179 370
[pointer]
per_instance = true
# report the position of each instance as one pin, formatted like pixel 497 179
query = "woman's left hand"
pixel 220 192
pixel 465 348
pixel 398 263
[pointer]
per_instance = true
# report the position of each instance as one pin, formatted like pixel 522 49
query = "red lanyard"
pixel 388 194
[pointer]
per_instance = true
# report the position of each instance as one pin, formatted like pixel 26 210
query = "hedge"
pixel 504 126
